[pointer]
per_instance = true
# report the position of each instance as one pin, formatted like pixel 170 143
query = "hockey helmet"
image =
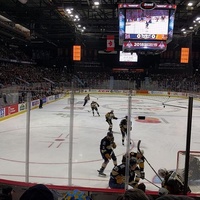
pixel 162 172
pixel 112 111
pixel 132 161
pixel 110 134
pixel 126 117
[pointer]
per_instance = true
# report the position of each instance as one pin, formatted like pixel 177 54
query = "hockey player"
pixel 140 162
pixel 86 99
pixel 123 128
pixel 106 149
pixel 94 106
pixel 172 182
pixel 147 24
pixel 117 175
pixel 109 116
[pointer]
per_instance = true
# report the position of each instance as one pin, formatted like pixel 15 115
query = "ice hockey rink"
pixel 162 134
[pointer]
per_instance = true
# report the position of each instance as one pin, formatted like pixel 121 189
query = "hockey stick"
pixel 163 103
pixel 138 147
pixel 175 106
pixel 152 183
pixel 166 100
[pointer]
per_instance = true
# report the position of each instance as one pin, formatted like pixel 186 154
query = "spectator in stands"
pixel 142 187
pixel 38 192
pixel 5 98
pixel 173 197
pixel 76 195
pixel 7 192
pixel 133 194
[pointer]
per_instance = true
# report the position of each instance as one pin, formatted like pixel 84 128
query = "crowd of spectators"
pixel 42 192
pixel 10 52
pixel 177 82
pixel 24 74
pixel 18 71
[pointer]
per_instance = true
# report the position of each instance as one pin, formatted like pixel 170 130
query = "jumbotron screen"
pixel 146 21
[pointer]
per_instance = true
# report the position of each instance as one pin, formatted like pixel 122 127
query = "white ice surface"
pixel 49 139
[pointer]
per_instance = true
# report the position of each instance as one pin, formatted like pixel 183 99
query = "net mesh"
pixel 194 169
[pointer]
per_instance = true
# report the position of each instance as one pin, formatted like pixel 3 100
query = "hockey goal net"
pixel 194 168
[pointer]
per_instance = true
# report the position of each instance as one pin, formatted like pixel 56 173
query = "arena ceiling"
pixel 48 21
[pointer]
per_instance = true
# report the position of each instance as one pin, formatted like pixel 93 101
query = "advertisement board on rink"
pixel 21 107
pixel 35 103
pixel 12 109
pixel 2 112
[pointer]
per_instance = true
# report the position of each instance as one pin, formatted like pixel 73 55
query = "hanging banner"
pixel 184 55
pixel 110 43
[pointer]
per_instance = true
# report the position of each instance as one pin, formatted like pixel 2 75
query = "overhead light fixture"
pixel 69 10
pixel 190 4
pixel 74 17
pixel 96 3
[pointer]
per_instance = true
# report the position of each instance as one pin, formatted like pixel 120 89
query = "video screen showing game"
pixel 146 24
pixel 137 23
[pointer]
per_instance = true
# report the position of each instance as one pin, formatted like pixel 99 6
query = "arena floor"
pixel 162 134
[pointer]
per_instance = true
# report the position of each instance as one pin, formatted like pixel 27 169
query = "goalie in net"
pixel 172 182
pixel 194 165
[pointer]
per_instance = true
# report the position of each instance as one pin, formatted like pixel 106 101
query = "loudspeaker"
pixel 141 117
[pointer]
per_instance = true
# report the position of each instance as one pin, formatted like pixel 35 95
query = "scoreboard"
pixel 145 25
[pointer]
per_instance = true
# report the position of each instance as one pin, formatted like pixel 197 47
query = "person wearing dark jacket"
pixel 7 192
pixel 107 145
